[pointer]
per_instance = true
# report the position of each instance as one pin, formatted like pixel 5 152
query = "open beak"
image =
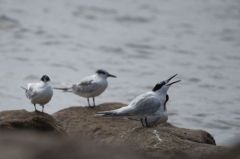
pixel 110 75
pixel 168 80
pixel 169 84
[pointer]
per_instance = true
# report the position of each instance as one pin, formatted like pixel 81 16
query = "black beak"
pixel 110 75
pixel 168 80
pixel 169 84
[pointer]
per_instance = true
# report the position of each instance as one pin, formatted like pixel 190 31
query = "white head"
pixel 45 79
pixel 104 74
pixel 162 87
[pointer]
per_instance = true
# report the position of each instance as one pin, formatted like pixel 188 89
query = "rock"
pixel 161 139
pixel 35 145
pixel 23 120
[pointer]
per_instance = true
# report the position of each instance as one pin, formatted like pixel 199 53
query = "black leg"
pixel 146 122
pixel 142 122
pixel 93 102
pixel 42 108
pixel 88 102
pixel 35 107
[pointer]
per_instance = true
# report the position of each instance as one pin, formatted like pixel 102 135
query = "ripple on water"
pixel 31 77
pixel 236 112
pixel 81 10
pixel 216 76
pixel 210 67
pixel 20 33
pixel 40 31
pixel 139 46
pixel 52 42
pixel 142 51
pixel 93 12
pixel 193 120
pixel 217 126
pixel 112 49
pixel 194 80
pixel 7 23
pixel 228 35
pixel 233 57
pixel 238 87
pixel 152 9
pixel 202 115
pixel 8 96
pixel 214 58
pixel 181 63
pixel 68 66
pixel 228 123
pixel 132 19
pixel 206 85
pixel 184 52
pixel 22 59
pixel 237 118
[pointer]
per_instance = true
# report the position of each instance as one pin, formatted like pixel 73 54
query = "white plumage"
pixel 40 92
pixel 90 86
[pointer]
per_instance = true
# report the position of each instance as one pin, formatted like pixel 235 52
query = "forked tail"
pixel 24 88
pixel 64 89
pixel 107 113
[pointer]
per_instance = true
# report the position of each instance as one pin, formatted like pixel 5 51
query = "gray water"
pixel 140 41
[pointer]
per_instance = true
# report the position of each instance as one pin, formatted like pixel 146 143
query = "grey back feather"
pixel 145 106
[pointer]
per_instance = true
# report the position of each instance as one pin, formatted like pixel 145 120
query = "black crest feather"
pixel 158 86
pixel 100 71
pixel 45 78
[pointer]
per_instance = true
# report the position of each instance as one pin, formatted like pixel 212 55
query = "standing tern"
pixel 40 92
pixel 90 86
pixel 150 105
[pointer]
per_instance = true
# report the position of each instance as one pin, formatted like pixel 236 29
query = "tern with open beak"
pixel 147 104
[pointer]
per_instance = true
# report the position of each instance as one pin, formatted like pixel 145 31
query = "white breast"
pixel 43 93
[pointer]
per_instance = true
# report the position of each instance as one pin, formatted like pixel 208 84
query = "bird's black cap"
pixel 100 71
pixel 45 78
pixel 158 86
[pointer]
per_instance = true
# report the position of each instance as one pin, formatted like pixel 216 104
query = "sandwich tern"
pixel 40 92
pixel 90 86
pixel 150 105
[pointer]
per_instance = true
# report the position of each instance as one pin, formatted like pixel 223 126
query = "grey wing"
pixel 146 106
pixel 85 86
pixel 30 93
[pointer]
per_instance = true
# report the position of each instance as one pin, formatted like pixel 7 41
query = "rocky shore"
pixel 78 132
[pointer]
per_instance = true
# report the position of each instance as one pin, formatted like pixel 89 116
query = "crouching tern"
pixel 90 86
pixel 150 105
pixel 40 92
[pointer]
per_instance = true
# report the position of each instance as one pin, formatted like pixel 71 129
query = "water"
pixel 142 42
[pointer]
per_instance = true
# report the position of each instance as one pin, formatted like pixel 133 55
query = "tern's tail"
pixel 107 113
pixel 24 88
pixel 64 89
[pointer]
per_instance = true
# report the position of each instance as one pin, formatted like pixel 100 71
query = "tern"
pixel 90 86
pixel 150 105
pixel 40 92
